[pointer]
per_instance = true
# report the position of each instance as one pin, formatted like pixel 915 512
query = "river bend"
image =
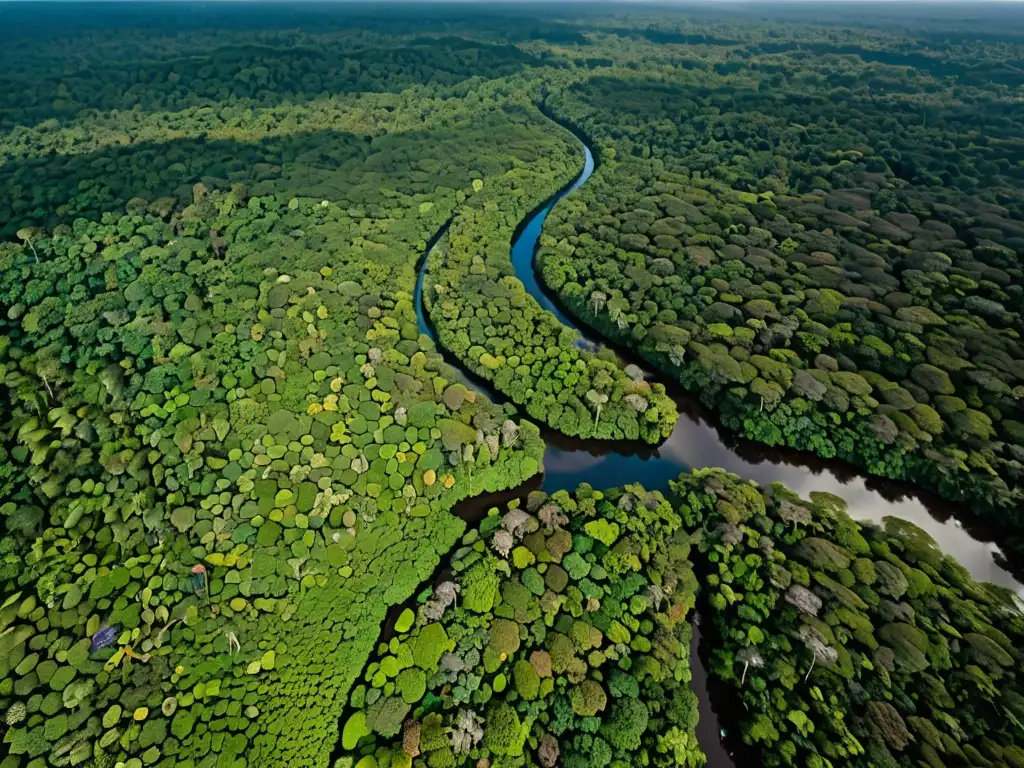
pixel 698 442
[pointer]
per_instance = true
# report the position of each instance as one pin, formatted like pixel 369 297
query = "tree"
pixel 467 731
pixel 636 402
pixel 551 515
pixel 617 307
pixel 801 598
pixel 444 595
pixel 502 731
pixel 682 747
pixel 387 715
pixel 933 379
pixel 797 514
pixel 411 738
pixel 509 433
pixel 886 721
pixel 597 400
pixel 527 681
pixel 27 235
pixel 819 647
pixel 515 521
pixel 504 637
pixel 547 751
pixel 480 587
pixel 588 698
pixel 749 657
pixel 821 553
pixel 48 367
pixel 626 724
pixel 502 542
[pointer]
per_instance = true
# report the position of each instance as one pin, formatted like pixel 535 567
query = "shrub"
pixel 504 637
pixel 429 645
pixel 588 698
pixel 527 681
pixel 502 730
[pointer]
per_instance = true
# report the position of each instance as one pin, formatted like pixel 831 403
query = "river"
pixel 697 442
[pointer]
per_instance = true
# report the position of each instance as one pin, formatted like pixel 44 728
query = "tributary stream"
pixel 698 442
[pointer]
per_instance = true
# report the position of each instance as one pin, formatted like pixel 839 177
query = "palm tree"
pixel 597 399
pixel 617 307
pixel 749 657
pixel 27 235
pixel 677 355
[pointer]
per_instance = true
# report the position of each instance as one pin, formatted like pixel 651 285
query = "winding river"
pixel 697 442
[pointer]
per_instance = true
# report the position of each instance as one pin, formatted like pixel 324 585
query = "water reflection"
pixel 697 442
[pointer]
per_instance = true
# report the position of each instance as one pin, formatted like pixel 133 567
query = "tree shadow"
pixel 327 164
pixel 256 74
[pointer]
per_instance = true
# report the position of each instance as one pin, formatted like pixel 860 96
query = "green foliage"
pixel 430 644
pixel 527 681
pixel 411 685
pixel 627 723
pixel 227 449
pixel 355 728
pixel 813 295
pixel 502 730
pixel 588 698
pixel 858 673
pixel 480 587
pixel 575 670
pixel 209 360
pixel 500 332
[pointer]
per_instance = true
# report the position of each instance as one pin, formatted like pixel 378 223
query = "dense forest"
pixel 561 639
pixel 848 644
pixel 233 470
pixel 829 257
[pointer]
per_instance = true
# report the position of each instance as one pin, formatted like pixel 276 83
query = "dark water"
pixel 524 245
pixel 466 378
pixel 697 442
pixel 421 271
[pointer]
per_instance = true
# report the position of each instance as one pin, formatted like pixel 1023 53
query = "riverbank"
pixel 698 442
